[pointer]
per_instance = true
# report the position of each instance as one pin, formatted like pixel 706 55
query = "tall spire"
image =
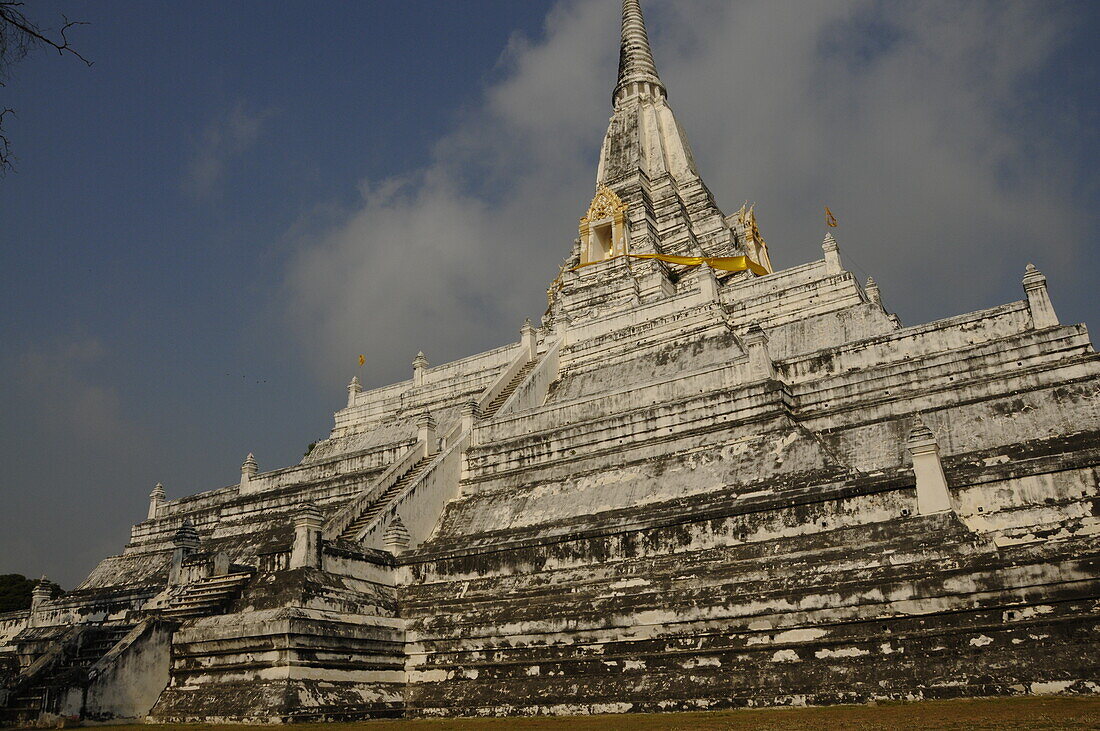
pixel 637 72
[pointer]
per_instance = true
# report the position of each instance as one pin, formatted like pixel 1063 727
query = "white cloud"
pixel 224 138
pixel 896 116
pixel 68 401
pixel 893 114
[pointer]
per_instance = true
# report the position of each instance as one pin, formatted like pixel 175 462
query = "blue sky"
pixel 207 226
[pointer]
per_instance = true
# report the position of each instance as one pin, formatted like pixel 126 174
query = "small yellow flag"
pixel 830 219
pixel 362 359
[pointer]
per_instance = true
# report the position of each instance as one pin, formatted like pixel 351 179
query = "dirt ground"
pixel 971 714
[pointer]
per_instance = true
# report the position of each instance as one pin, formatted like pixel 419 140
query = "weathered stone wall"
pixel 806 597
pixel 128 683
pixel 301 644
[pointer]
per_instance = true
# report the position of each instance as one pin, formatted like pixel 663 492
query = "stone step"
pixel 769 574
pixel 224 579
pixel 375 508
pixel 935 530
pixel 379 505
pixel 199 589
pixel 206 596
pixel 493 406
pixel 817 592
pixel 586 609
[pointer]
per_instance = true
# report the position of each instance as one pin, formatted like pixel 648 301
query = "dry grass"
pixel 983 714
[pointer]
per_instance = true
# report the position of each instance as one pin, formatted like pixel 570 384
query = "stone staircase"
pixel 24 706
pixel 493 406
pixel 94 644
pixel 31 697
pixel 378 505
pixel 375 508
pixel 207 596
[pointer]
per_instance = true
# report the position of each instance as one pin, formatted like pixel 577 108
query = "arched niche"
pixel 603 229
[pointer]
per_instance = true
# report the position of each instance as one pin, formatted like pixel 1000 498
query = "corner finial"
pixel 420 367
pixel 354 388
pixel 156 500
pixel 637 71
pixel 873 294
pixel 249 468
pixel 528 338
pixel 1038 299
pixel 833 265
pixel 41 592
pixel 933 493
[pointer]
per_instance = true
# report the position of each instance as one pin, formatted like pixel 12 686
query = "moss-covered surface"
pixel 970 714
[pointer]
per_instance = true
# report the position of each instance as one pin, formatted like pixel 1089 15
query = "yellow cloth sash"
pixel 725 263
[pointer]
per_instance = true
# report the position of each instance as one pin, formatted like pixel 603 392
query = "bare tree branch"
pixel 7 161
pixel 9 14
pixel 19 35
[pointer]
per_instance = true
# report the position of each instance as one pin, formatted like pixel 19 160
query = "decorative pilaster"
pixel 425 425
pixel 1038 299
pixel 469 412
pixel 761 366
pixel 933 495
pixel 184 543
pixel 561 326
pixel 420 367
pixel 396 537
pixel 871 288
pixel 832 255
pixel 354 389
pixel 306 551
pixel 248 471
pixel 708 282
pixel 156 500
pixel 528 339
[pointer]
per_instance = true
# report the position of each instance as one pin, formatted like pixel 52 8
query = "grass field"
pixel 979 713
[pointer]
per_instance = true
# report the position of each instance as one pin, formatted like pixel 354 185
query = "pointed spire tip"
pixel 637 70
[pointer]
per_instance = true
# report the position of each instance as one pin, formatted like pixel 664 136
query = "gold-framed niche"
pixel 603 229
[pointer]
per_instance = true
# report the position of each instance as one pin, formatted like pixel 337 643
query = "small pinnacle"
pixel 920 431
pixel 309 509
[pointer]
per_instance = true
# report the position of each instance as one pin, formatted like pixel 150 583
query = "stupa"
pixel 699 483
